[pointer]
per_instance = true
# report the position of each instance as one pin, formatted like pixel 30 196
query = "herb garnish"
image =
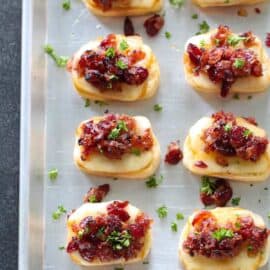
pixel 236 201
pixel 59 212
pixel 174 227
pixel 222 233
pixel 228 127
pixel 123 45
pixel 195 16
pixel 60 61
pixel 157 108
pixel 154 181
pixel 66 4
pixel 239 63
pixel 136 151
pixel 168 35
pixel 204 28
pixel 87 103
pixel 246 133
pixel 121 126
pixel 119 240
pixel 53 174
pixel 233 40
pixel 110 52
pixel 179 216
pixel 177 3
pixel 207 186
pixel 61 248
pixel 121 64
pixel 92 199
pixel 101 103
pixel 162 211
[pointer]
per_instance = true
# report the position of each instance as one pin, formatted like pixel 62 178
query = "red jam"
pixel 128 27
pixel 109 237
pixel 223 63
pixel 113 136
pixel 215 192
pixel 174 154
pixel 107 68
pixel 153 25
pixel 200 164
pixel 210 240
pixel 267 40
pixel 97 194
pixel 225 137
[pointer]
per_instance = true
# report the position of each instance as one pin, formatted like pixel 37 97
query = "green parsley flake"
pixel 121 126
pixel 204 28
pixel 179 216
pixel 66 4
pixel 237 225
pixel 174 227
pixel 121 64
pixel 59 212
pixel 207 185
pixel 250 248
pixel 119 240
pixel 234 40
pixel 53 174
pixel 195 16
pixel 110 52
pixel 236 201
pixel 145 262
pixel 236 96
pixel 162 211
pixel 228 127
pixel 136 151
pixel 101 103
pixel 202 43
pixel 177 3
pixel 168 35
pixel 239 63
pixel 154 181
pixel 123 45
pixel 268 216
pixel 222 233
pixel 247 133
pixel 249 97
pixel 157 108
pixel 217 41
pixel 61 248
pixel 61 61
pixel 87 103
pixel 92 199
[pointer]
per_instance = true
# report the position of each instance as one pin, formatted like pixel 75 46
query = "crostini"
pixel 117 146
pixel 123 7
pixel 223 62
pixel 228 147
pixel 108 233
pixel 226 3
pixel 115 68
pixel 225 239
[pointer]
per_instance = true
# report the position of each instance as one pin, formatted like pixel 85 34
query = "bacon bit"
pixel 267 40
pixel 174 154
pixel 251 120
pixel 242 12
pixel 250 39
pixel 96 194
pixel 258 10
pixel 154 24
pixel 128 27
pixel 200 164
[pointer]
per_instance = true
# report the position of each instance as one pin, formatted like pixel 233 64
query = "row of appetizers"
pixel 142 7
pixel 124 68
pixel 222 145
pixel 117 233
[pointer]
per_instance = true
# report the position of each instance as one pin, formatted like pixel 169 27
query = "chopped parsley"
pixel 162 211
pixel 168 35
pixel 207 186
pixel 66 4
pixel 179 216
pixel 154 181
pixel 202 43
pixel 236 96
pixel 222 233
pixel 237 225
pixel 174 227
pixel 101 103
pixel 136 151
pixel 236 201
pixel 228 127
pixel 234 40
pixel 204 28
pixel 121 64
pixel 123 45
pixel 249 248
pixel 119 240
pixel 268 216
pixel 249 97
pixel 53 174
pixel 266 188
pixel 59 212
pixel 157 108
pixel 61 61
pixel 195 16
pixel 121 126
pixel 110 52
pixel 145 262
pixel 92 199
pixel 217 41
pixel 61 248
pixel 87 103
pixel 239 63
pixel 177 3
pixel 246 133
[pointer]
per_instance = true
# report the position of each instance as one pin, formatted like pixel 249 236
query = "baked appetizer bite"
pixel 108 233
pixel 123 7
pixel 115 68
pixel 222 3
pixel 229 147
pixel 222 62
pixel 225 239
pixel 117 146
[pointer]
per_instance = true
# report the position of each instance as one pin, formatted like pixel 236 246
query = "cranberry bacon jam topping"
pixel 108 67
pixel 174 154
pixel 110 237
pixel 225 61
pixel 224 137
pixel 211 240
pixel 113 136
pixel 96 194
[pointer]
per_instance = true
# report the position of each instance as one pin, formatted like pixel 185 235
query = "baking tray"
pixel 51 110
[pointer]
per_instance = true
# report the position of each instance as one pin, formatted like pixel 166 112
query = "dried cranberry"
pixel 96 194
pixel 257 10
pixel 267 40
pixel 128 27
pixel 194 53
pixel 135 75
pixel 174 154
pixel 154 24
pixel 117 208
pixel 200 164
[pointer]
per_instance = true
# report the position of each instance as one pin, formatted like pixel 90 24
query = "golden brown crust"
pixel 222 3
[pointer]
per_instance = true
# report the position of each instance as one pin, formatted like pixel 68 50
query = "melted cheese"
pixel 130 166
pixel 129 92
pixel 97 209
pixel 241 261
pixel 238 168
pixel 242 85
